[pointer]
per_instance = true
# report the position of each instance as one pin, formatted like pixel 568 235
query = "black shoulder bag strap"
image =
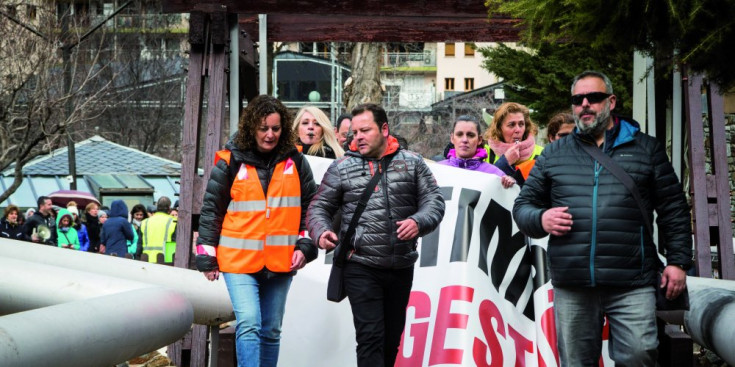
pixel 621 175
pixel 340 254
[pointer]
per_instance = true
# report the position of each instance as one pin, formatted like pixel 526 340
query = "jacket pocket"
pixel 357 239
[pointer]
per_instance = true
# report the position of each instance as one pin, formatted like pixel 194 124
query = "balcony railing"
pixel 147 21
pixel 408 99
pixel 412 59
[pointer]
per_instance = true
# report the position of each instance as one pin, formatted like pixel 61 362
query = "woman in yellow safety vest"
pixel 252 225
pixel 511 141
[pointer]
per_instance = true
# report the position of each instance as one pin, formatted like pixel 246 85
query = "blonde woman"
pixel 315 133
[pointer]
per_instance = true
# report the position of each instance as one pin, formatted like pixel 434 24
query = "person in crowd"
pixel 30 212
pixel 315 133
pixel 378 273
pixel 92 222
pixel 468 152
pixel 79 227
pixel 137 215
pixel 342 128
pixel 560 125
pixel 511 141
pixel 42 217
pixel 65 233
pixel 159 232
pixel 116 230
pixel 102 214
pixel 9 225
pixel 260 168
pixel 601 256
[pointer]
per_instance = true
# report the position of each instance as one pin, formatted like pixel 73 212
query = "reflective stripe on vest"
pixel 261 230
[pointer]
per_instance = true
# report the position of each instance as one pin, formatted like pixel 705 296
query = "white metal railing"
pixel 415 59
pixel 408 99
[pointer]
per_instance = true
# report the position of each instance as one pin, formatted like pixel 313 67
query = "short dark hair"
pixel 559 119
pixel 341 118
pixel 379 114
pixel 596 74
pixel 11 208
pixel 42 200
pixel 163 204
pixel 139 208
pixel 468 118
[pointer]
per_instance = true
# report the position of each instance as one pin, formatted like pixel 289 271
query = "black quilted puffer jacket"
pixel 608 244
pixel 408 190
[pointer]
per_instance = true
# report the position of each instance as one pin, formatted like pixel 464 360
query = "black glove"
pixel 306 245
pixel 206 263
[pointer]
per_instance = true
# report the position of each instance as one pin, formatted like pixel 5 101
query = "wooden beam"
pixel 436 8
pixel 718 141
pixel 698 182
pixel 215 113
pixel 362 28
pixel 189 153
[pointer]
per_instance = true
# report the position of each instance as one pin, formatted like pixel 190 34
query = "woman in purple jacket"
pixel 468 152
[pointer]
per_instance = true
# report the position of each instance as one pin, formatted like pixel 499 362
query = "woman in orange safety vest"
pixel 251 228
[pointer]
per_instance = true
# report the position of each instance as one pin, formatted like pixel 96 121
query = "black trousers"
pixel 378 298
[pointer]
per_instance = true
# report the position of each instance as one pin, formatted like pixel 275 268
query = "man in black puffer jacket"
pixel 405 205
pixel 602 258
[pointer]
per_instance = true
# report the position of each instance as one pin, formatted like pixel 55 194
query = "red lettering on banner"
pixel 522 344
pixel 605 336
pixel 548 326
pixel 421 303
pixel 447 320
pixel 487 312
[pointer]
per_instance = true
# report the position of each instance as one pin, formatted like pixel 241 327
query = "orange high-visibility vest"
pixel 525 167
pixel 260 230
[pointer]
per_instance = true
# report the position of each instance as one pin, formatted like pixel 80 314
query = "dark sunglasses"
pixel 594 97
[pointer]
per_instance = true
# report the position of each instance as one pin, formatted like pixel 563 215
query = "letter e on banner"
pixel 447 320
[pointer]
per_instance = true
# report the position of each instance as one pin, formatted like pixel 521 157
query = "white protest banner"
pixel 478 298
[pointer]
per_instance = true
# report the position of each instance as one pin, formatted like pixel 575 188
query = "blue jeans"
pixel 259 304
pixel 631 314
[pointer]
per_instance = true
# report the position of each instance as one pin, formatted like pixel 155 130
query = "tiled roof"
pixel 99 156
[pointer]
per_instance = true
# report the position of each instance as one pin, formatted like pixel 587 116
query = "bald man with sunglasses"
pixel 602 257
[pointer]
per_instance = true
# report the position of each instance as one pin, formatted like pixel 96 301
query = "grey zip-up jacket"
pixel 407 190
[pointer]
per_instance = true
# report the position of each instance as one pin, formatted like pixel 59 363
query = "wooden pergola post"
pixel 710 192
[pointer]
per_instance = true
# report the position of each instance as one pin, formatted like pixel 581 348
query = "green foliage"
pixel 542 78
pixel 703 31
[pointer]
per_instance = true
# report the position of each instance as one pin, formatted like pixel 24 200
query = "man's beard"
pixel 597 127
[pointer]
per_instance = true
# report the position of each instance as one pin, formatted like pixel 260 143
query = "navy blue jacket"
pixel 608 244
pixel 117 231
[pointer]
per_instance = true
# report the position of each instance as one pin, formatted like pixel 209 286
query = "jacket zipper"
pixel 643 249
pixel 593 240
pixel 391 224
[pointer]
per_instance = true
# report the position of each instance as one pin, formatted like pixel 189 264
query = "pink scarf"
pixel 527 147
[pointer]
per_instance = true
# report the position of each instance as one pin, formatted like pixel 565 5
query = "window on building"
pixel 469 49
pixel 449 49
pixel 11 10
pixel 469 83
pixel 448 83
pixel 31 12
